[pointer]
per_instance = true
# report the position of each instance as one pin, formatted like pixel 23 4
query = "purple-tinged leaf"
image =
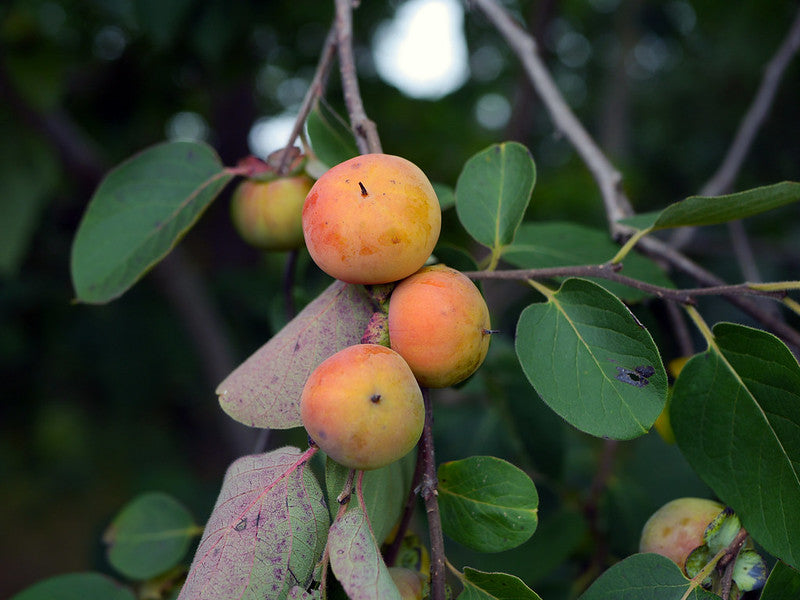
pixel 264 391
pixel 298 593
pixel 356 560
pixel 266 532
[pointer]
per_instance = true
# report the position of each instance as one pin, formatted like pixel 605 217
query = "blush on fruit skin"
pixel 439 323
pixel 268 215
pixel 371 219
pixel 677 528
pixel 363 407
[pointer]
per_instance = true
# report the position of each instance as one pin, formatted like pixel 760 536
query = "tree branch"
pixel 315 90
pixel 617 205
pixel 606 271
pixel 364 129
pixel 427 490
pixel 722 180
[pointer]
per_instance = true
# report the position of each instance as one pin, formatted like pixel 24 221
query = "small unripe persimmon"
pixel 363 407
pixel 371 219
pixel 410 584
pixel 677 528
pixel 268 214
pixel 439 323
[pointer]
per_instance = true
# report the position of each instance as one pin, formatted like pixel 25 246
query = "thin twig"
pixel 608 179
pixel 427 490
pixel 364 129
pixel 315 90
pixel 605 271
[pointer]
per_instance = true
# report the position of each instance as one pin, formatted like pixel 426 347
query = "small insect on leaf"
pixel 637 377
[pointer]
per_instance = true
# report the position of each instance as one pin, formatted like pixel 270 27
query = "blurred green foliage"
pixel 102 403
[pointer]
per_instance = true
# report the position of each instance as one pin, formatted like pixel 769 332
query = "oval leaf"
pixel 139 212
pixel 713 210
pixel 266 532
pixel 149 536
pixel 494 586
pixel 356 560
pixel 650 576
pixel 264 391
pixel 557 244
pixel 486 503
pixel 735 410
pixel 76 586
pixel 493 191
pixel 592 361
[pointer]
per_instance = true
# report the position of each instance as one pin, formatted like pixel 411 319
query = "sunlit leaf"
pixel 264 391
pixel 150 535
pixel 493 191
pixel 76 586
pixel 266 532
pixel 592 361
pixel 487 503
pixel 713 210
pixel 139 212
pixel 494 586
pixel 735 410
pixel 640 576
pixel 356 560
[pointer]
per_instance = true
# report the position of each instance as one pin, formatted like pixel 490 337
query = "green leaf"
pixel 749 570
pixel 493 192
pixel 494 586
pixel 138 213
pixel 783 583
pixel 592 361
pixel 384 491
pixel 149 536
pixel 356 560
pixel 330 136
pixel 76 586
pixel 713 210
pixel 264 391
pixel 266 532
pixel 640 576
pixel 735 410
pixel 486 503
pixel 559 244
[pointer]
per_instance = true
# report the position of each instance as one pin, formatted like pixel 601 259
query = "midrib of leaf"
pixel 301 460
pixel 752 397
pixel 496 248
pixel 484 503
pixel 159 535
pixel 586 345
pixel 170 218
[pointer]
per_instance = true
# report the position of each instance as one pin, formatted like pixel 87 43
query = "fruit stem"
pixel 428 492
